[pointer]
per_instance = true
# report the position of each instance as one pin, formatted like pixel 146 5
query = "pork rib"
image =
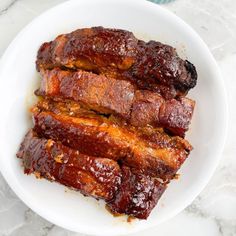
pixel 98 137
pixel 97 177
pixel 151 65
pixel 120 97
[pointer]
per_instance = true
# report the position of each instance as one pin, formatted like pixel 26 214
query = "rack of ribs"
pixel 117 53
pixel 110 96
pixel 111 117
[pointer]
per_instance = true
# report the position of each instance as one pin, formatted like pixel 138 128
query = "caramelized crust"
pixel 145 109
pixel 118 53
pixel 93 49
pixel 99 137
pixel 119 97
pixel 110 118
pixel 93 91
pixel 97 177
pixel 126 191
pixel 176 115
pixel 160 62
pixel 155 136
pixel 138 194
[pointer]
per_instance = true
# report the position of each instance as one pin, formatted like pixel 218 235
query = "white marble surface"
pixel 213 213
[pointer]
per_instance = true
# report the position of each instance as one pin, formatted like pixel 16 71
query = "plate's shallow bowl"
pixel 19 79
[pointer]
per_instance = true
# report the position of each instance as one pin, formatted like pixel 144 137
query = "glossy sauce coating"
pixel 97 177
pixel 126 191
pixel 119 54
pixel 119 97
pixel 138 194
pixel 101 138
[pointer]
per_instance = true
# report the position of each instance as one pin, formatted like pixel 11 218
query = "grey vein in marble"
pixel 7 7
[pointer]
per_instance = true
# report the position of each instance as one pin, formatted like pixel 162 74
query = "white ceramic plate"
pixel 19 79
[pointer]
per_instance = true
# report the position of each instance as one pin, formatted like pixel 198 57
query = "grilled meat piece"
pixel 97 92
pixel 98 136
pixel 126 191
pixel 151 109
pixel 119 54
pixel 175 115
pixel 97 177
pixel 93 48
pixel 119 97
pixel 138 194
pixel 155 136
pixel 159 64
